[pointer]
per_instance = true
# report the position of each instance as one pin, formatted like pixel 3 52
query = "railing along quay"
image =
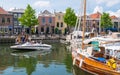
pixel 49 39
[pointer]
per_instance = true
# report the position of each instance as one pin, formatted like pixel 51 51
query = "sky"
pixel 110 6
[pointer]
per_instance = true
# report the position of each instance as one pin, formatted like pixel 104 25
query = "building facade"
pixel 6 22
pixel 46 22
pixel 116 22
pixel 95 19
pixel 17 13
pixel 59 22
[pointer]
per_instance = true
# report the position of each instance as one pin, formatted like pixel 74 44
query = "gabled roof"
pixel 113 17
pixel 46 12
pixel 95 15
pixel 2 11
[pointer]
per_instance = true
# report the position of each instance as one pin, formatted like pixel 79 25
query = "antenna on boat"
pixel 84 23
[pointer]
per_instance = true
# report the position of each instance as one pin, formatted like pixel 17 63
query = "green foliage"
pixel 33 30
pixel 70 17
pixel 106 21
pixel 28 18
pixel 28 63
pixel 56 30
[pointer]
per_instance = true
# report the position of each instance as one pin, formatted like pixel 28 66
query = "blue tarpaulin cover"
pixel 101 59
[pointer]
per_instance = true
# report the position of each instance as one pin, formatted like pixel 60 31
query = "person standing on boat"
pixel 26 38
pixel 18 39
pixel 23 38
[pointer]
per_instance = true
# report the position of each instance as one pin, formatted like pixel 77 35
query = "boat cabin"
pixel 113 51
pixel 116 35
pixel 107 51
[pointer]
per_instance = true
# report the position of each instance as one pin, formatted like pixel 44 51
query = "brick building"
pixel 17 13
pixel 95 21
pixel 46 22
pixel 6 22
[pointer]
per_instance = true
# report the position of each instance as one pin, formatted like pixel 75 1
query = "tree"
pixel 106 21
pixel 28 18
pixel 56 30
pixel 70 18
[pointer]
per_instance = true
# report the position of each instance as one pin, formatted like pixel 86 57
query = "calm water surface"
pixel 56 61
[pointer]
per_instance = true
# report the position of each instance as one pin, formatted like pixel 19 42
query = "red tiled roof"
pixel 95 15
pixel 2 11
pixel 113 17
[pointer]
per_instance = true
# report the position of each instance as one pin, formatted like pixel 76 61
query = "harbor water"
pixel 57 61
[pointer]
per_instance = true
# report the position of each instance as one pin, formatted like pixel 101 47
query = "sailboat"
pixel 92 58
pixel 76 35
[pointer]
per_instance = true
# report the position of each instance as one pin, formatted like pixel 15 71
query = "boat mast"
pixel 84 24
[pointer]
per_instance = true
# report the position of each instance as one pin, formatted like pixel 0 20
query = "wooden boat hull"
pixel 94 66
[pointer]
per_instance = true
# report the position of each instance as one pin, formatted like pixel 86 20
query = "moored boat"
pixel 93 58
pixel 31 46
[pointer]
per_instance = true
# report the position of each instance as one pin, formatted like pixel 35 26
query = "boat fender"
pixel 81 61
pixel 111 63
pixel 74 61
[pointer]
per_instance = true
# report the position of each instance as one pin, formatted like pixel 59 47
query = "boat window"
pixel 118 35
pixel 117 44
pixel 111 52
pixel 107 51
pixel 74 37
pixel 118 55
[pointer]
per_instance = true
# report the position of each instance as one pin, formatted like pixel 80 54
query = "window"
pixel 3 20
pixel 19 15
pixel 61 24
pixel 6 29
pixel 8 20
pixel 42 29
pixel 15 15
pixel 43 20
pixel 118 35
pixel 15 22
pixel 50 20
pixel 19 24
pixel 59 17
pixel 57 24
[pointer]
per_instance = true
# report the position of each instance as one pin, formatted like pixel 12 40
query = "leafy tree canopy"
pixel 106 21
pixel 70 17
pixel 28 18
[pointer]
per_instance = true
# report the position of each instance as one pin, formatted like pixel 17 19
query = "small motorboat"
pixel 31 46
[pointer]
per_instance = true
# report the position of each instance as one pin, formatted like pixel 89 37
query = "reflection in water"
pixel 57 61
pixel 28 54
pixel 78 71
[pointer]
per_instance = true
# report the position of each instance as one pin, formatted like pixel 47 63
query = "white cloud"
pixel 117 13
pixel 10 9
pixel 100 1
pixel 42 4
pixel 109 3
pixel 98 9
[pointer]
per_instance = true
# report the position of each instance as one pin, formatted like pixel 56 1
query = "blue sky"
pixel 110 6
